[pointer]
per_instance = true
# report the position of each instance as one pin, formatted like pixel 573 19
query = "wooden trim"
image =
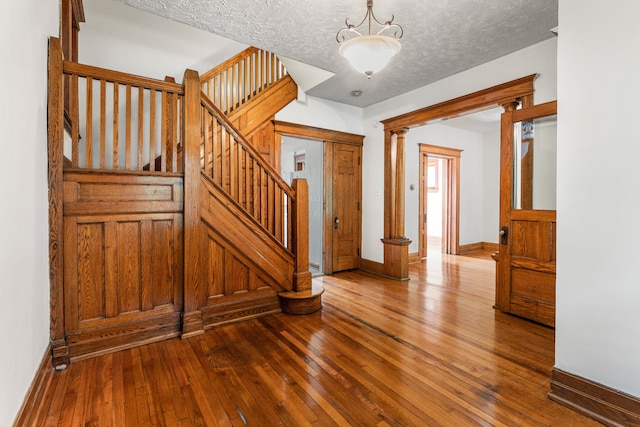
pixel 606 405
pixel 372 266
pixel 478 246
pixel 414 258
pixel 192 319
pixel 310 132
pixel 484 99
pixel 78 11
pixel 122 78
pixel 490 247
pixel 541 110
pixel 55 135
pixel 470 247
pixel 300 219
pixel 32 406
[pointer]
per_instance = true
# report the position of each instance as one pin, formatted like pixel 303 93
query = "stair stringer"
pixel 243 266
pixel 261 108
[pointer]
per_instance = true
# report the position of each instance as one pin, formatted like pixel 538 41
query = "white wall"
pixel 24 265
pixel 491 185
pixel 122 38
pixel 598 282
pixel 539 58
pixel 324 114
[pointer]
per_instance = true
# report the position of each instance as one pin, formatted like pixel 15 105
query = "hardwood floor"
pixel 430 351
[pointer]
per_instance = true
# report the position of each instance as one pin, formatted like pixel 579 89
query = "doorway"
pixel 303 158
pixel 335 217
pixel 439 198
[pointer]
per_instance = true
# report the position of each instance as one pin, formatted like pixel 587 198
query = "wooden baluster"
pixel 215 155
pixel 300 220
pixel 277 215
pixel 206 123
pixel 271 215
pixel 127 162
pixel 116 106
pixel 89 125
pixel 272 75
pixel 170 148
pixel 140 127
pixel 254 59
pixel 290 206
pixel 103 123
pixel 152 130
pixel 257 189
pixel 264 202
pixel 176 123
pixel 75 121
pixel 163 131
pixel 233 170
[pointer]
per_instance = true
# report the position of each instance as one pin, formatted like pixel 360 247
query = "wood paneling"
pixel 123 269
pixel 430 352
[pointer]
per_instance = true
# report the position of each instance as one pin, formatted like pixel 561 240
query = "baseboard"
pixel 31 407
pixel 469 247
pixel 490 247
pixel 414 258
pixel 606 405
pixel 478 246
pixel 372 266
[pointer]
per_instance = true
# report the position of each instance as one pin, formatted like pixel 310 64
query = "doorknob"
pixel 336 221
pixel 504 233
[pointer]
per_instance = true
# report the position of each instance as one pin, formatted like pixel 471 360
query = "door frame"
pixel 451 194
pixel 329 138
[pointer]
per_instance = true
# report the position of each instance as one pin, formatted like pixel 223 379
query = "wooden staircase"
pixel 165 220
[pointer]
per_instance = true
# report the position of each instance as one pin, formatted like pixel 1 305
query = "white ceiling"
pixel 441 37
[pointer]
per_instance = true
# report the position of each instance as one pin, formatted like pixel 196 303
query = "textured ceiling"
pixel 441 37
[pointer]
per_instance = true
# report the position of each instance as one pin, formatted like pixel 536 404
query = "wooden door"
pixel 346 216
pixel 526 273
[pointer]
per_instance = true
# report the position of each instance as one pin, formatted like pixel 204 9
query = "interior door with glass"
pixel 526 271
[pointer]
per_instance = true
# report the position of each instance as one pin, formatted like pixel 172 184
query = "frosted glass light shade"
pixel 370 54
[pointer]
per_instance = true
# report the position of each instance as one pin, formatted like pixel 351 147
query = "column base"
pixel 396 258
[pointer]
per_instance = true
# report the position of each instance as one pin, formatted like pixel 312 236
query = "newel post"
pixel 55 130
pixel 300 221
pixel 192 323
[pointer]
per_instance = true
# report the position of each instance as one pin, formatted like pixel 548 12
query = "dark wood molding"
pixel 469 247
pixel 32 407
pixel 606 405
pixel 310 132
pixel 484 99
pixel 414 258
pixel 372 266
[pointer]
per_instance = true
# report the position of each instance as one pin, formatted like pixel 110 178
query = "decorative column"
pixel 396 245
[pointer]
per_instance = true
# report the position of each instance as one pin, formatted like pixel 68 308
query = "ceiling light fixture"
pixel 369 53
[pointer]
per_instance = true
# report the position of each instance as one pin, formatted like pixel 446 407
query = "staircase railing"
pixel 244 175
pixel 235 81
pixel 121 121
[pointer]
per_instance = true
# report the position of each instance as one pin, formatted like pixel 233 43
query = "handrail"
pixel 120 77
pixel 241 77
pixel 121 121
